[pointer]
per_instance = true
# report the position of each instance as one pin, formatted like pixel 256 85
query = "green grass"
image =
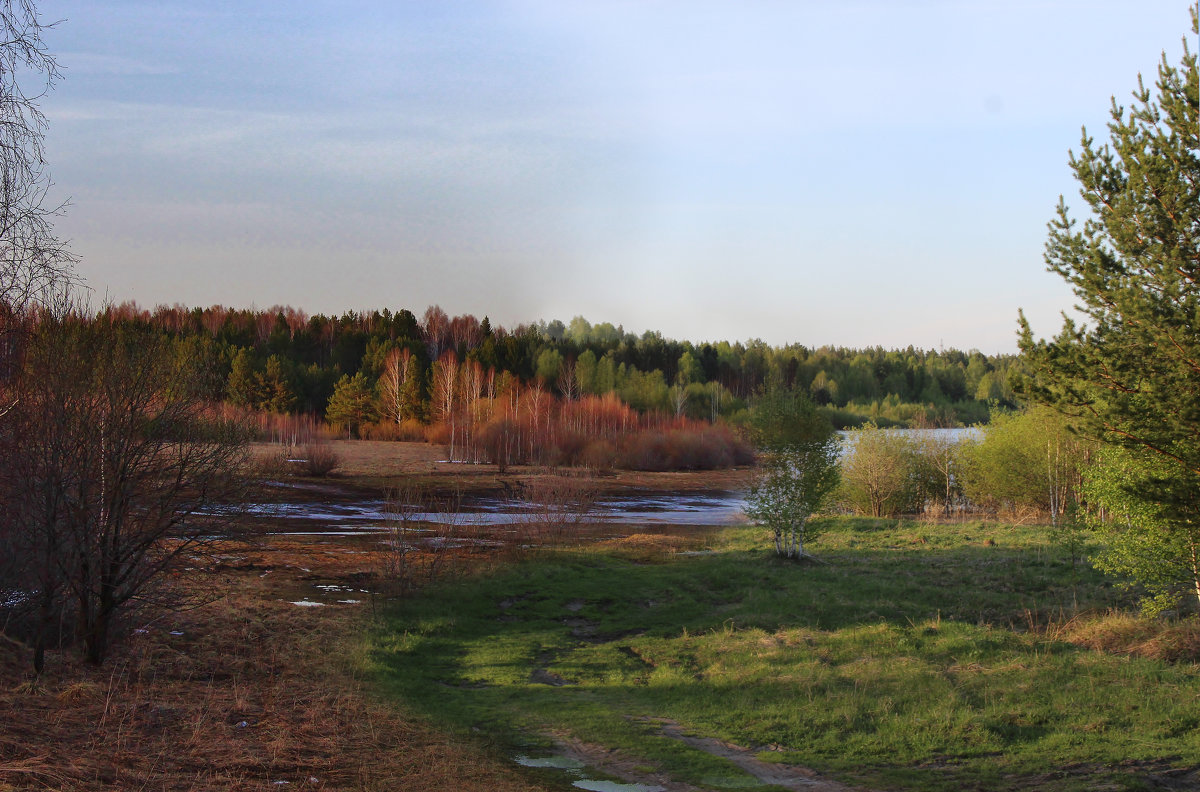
pixel 910 660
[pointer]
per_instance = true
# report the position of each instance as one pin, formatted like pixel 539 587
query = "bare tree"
pixel 445 390
pixel 117 477
pixel 34 264
pixel 435 327
pixel 465 332
pixel 568 383
pixel 392 385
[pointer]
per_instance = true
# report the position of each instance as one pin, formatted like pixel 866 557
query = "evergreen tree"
pixel 244 386
pixel 411 397
pixel 1130 375
pixel 276 390
pixel 352 403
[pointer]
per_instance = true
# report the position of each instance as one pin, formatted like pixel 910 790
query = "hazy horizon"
pixel 860 174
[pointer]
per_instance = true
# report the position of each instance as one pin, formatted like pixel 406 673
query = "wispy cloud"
pixel 90 63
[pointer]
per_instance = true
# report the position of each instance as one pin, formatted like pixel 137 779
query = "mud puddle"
pixel 574 767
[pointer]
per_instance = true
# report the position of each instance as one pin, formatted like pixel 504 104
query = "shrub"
pixel 687 448
pixel 1026 461
pixel 599 455
pixel 880 473
pixel 320 459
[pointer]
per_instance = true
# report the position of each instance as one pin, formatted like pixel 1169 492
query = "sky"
pixel 852 173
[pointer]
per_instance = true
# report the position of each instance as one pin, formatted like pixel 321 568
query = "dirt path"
pixel 782 775
pixel 632 771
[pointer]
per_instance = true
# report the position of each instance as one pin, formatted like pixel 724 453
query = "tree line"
pixel 282 360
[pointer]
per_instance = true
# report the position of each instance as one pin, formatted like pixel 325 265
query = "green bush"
pixel 881 473
pixel 1026 462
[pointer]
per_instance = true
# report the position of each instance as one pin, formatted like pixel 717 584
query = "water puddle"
pixel 574 767
pixel 555 762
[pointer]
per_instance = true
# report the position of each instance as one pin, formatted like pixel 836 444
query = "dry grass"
pixel 1123 633
pixel 253 690
pixel 386 465
pixel 238 695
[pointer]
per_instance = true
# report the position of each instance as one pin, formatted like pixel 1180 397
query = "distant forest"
pixel 281 360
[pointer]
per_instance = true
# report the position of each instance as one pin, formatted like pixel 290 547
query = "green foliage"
pixel 939 470
pixel 549 362
pixel 411 393
pixel 1026 461
pixel 646 391
pixel 243 387
pixel 276 387
pixel 798 468
pixel 352 403
pixel 1145 540
pixel 1130 375
pixel 880 472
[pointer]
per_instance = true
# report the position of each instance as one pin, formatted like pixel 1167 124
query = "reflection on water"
pixel 576 767
pixel 615 786
pixel 556 762
pixel 344 519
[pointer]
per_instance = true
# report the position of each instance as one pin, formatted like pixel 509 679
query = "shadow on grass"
pixel 908 650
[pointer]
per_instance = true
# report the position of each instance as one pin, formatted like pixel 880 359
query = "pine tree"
pixel 276 392
pixel 1130 374
pixel 412 404
pixel 352 403
pixel 244 386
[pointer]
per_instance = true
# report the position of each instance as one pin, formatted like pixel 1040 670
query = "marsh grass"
pixel 916 657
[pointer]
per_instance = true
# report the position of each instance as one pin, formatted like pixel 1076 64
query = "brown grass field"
pixel 252 690
pixel 380 465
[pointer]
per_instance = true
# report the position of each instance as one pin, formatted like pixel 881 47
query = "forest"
pixel 283 361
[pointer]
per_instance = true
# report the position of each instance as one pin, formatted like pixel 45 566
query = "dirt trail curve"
pixel 768 773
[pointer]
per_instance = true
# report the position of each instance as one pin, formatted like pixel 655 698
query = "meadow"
pixel 911 656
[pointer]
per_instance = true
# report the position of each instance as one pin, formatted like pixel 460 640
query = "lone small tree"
pixel 799 453
pixel 1130 376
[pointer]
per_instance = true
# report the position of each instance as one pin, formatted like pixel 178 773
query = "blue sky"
pixel 851 173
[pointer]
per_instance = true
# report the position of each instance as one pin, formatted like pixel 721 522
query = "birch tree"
pixel 798 469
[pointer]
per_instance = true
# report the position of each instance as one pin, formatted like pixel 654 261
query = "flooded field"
pixel 347 518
